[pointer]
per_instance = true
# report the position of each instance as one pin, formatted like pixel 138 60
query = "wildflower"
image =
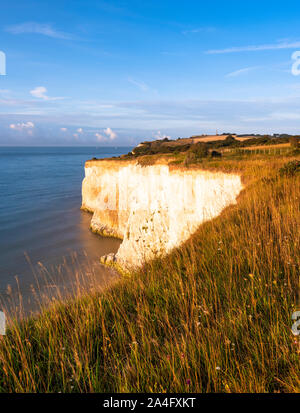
pixel 188 382
pixel 218 368
pixel 251 276
pixel 227 388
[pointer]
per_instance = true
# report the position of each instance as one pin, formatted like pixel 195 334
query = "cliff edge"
pixel 152 208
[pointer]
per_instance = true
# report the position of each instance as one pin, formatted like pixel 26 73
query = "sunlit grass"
pixel 212 316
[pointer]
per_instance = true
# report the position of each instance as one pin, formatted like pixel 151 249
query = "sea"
pixel 46 246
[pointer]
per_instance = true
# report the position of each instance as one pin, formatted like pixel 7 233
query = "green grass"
pixel 212 316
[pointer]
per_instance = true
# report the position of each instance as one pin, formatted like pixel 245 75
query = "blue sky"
pixel 86 72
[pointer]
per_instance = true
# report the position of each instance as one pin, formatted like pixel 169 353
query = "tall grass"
pixel 212 316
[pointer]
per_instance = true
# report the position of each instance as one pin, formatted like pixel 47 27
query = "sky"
pixel 117 72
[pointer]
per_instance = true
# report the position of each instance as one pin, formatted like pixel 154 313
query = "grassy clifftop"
pixel 213 316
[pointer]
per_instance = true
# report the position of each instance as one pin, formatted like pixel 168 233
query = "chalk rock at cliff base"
pixel 103 230
pixel 108 259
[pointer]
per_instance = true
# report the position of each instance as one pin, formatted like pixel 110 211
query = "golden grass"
pixel 212 316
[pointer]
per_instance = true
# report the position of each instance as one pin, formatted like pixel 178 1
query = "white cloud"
pixel 22 126
pixel 75 135
pixel 37 28
pixel 40 92
pixel 108 132
pixel 255 48
pixel 159 135
pixel 63 129
pixel 79 130
pixel 140 84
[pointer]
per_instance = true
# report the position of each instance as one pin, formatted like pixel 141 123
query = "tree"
pixel 230 139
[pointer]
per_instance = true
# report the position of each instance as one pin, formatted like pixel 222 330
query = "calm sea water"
pixel 40 213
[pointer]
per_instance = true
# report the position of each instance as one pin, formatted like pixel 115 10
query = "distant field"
pixel 265 149
pixel 209 138
pixel 212 138
pixel 206 138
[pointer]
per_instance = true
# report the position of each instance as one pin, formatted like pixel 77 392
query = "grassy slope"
pixel 213 316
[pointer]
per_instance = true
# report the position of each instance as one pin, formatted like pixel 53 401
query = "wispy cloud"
pixel 5 91
pixel 199 30
pixel 241 71
pixel 37 28
pixel 175 54
pixel 40 92
pixel 256 48
pixel 140 84
pixel 274 116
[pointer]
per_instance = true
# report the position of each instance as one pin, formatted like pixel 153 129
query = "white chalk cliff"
pixel 152 208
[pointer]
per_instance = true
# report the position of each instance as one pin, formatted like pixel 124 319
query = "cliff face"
pixel 152 208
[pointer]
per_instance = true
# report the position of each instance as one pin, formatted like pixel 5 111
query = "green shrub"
pixel 216 154
pixel 200 150
pixel 290 169
pixel 295 142
pixel 190 158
